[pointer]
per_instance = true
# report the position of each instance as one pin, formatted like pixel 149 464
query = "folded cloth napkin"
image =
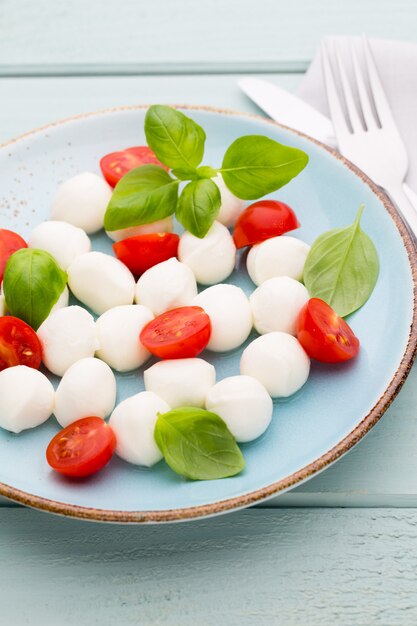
pixel 397 67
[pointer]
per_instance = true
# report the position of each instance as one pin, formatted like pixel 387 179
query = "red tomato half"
pixel 324 335
pixel 19 344
pixel 117 164
pixel 263 220
pixel 82 448
pixel 177 334
pixel 9 243
pixel 141 252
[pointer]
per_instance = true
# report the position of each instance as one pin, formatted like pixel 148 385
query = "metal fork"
pixel 367 134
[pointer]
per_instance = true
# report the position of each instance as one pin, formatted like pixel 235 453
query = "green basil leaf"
pixel 144 195
pixel 197 444
pixel 198 206
pixel 254 166
pixel 185 173
pixel 176 139
pixel 33 282
pixel 342 268
pixel 205 171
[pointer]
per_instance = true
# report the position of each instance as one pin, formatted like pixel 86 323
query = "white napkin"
pixel 397 67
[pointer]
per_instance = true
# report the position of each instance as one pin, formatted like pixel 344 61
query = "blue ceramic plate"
pixel 335 408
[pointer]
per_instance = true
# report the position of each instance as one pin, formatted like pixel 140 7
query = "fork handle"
pixel 407 211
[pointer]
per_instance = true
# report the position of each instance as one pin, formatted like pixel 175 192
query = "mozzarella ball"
pixel 100 281
pixel 2 305
pixel 230 315
pixel 118 332
pixel 82 201
pixel 62 301
pixel 63 240
pixel 26 398
pixel 67 335
pixel 278 256
pixel 231 206
pixel 181 382
pixel 212 258
pixel 162 226
pixel 278 361
pixel 276 305
pixel 133 423
pixel 87 388
pixel 166 286
pixel 244 404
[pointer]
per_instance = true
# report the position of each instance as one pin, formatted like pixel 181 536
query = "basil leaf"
pixel 33 282
pixel 176 139
pixel 144 195
pixel 342 268
pixel 198 206
pixel 185 173
pixel 254 166
pixel 197 444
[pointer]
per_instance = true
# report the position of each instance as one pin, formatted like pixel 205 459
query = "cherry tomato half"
pixel 19 344
pixel 9 243
pixel 177 334
pixel 324 335
pixel 141 252
pixel 82 448
pixel 263 220
pixel 117 164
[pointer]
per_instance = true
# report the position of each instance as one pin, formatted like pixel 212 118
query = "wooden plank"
pixel 382 470
pixel 162 36
pixel 284 567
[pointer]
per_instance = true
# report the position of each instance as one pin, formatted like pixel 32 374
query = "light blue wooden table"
pixel 342 548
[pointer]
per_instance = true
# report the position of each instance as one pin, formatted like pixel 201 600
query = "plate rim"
pixel 309 470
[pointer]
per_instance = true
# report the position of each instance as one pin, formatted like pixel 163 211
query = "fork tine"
pixel 382 106
pixel 367 111
pixel 336 111
pixel 348 95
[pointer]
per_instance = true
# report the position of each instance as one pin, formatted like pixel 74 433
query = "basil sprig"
pixel 342 267
pixel 197 444
pixel 253 166
pixel 33 282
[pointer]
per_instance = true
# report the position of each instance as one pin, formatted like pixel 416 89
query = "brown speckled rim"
pixel 254 497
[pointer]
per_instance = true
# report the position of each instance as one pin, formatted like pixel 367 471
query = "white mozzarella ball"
pixel 100 281
pixel 133 423
pixel 278 256
pixel 82 201
pixel 230 315
pixel 118 332
pixel 63 240
pixel 26 398
pixel 243 403
pixel 2 305
pixel 67 335
pixel 276 304
pixel 181 382
pixel 87 388
pixel 161 226
pixel 231 206
pixel 166 286
pixel 62 301
pixel 278 361
pixel 212 258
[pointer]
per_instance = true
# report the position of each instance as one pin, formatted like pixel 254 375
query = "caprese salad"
pixel 163 294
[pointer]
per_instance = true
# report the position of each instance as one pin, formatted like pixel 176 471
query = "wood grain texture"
pixel 163 36
pixel 382 469
pixel 284 567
